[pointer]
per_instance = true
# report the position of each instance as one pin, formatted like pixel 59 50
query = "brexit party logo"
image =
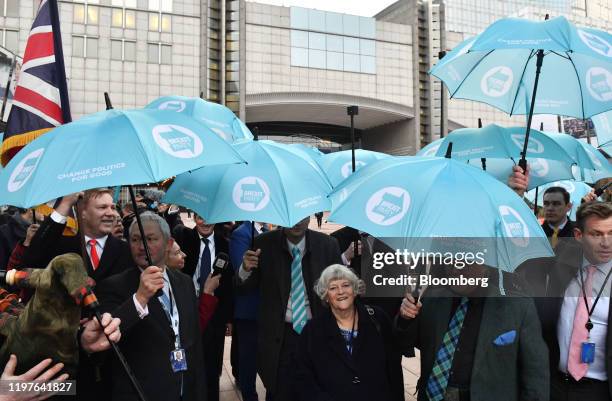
pixel 173 105
pixel 599 83
pixel 514 226
pixel 497 81
pixel 24 170
pixel 347 168
pixel 388 206
pixel 251 194
pixel 539 167
pixel 596 43
pixel 177 141
pixel 533 146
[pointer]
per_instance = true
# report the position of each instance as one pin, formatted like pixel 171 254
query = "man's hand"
pixel 37 373
pixel 518 180
pixel 151 280
pixel 590 197
pixel 211 284
pixel 349 253
pixel 93 338
pixel 30 234
pixel 250 260
pixel 410 309
pixel 67 202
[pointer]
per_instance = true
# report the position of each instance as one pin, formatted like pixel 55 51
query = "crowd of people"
pixel 294 303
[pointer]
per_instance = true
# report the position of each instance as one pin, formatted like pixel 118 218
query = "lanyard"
pixel 589 324
pixel 169 307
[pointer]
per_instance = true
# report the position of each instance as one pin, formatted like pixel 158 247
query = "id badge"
pixel 587 352
pixel 178 360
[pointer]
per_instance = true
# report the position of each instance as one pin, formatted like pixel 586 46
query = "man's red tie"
pixel 95 259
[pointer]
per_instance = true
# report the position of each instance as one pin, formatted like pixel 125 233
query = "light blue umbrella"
pixel 603 169
pixel 339 165
pixel 583 153
pixel 217 117
pixel 110 148
pixel 414 201
pixel 431 149
pixel 498 142
pixel 276 186
pixel 502 65
pixel 603 128
pixel 576 190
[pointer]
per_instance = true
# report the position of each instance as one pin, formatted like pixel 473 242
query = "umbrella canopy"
pixel 400 200
pixel 339 165
pixel 499 66
pixel 603 128
pixel 110 148
pixel 276 186
pixel 498 142
pixel 576 190
pixel 217 117
pixel 431 149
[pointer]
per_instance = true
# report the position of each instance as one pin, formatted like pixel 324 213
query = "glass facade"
pixel 332 41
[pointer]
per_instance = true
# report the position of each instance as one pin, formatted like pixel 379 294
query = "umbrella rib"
pixel 520 80
pixel 579 85
pixel 469 72
pixel 560 55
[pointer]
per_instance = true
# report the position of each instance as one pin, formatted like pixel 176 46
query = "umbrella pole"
pixel 140 227
pixel 98 316
pixel 483 161
pixel 352 111
pixel 535 203
pixel 107 101
pixel 252 235
pixel 586 129
pixel 441 55
pixel 539 61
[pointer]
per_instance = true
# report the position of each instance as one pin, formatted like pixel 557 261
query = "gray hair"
pixel 148 217
pixel 338 272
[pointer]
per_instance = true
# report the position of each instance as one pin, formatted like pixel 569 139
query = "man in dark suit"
pixel 475 345
pixel 557 225
pixel 284 267
pixel 160 332
pixel 245 312
pixel 201 244
pixel 584 266
pixel 107 254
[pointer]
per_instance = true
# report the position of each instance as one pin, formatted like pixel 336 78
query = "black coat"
pixel 325 371
pixel 49 243
pixel 273 279
pixel 13 231
pixel 190 243
pixel 147 343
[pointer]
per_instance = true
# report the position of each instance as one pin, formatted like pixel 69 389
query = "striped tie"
pixel 438 379
pixel 298 295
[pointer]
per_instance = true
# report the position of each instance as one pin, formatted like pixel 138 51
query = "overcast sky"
pixel 366 8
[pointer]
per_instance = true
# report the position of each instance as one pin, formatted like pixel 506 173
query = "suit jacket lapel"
pixel 284 268
pixel 181 302
pixel 109 254
pixel 492 319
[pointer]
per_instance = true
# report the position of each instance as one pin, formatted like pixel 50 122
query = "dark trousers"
pixel 564 388
pixel 213 341
pixel 235 353
pixel 284 382
pixel 247 359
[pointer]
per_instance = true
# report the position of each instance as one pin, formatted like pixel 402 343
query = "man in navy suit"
pixel 245 311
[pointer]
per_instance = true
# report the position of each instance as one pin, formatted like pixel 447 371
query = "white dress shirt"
pixel 599 318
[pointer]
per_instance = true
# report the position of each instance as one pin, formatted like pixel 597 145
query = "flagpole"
pixel 6 92
pixel 59 59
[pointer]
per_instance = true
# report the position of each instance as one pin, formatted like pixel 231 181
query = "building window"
pixel 86 13
pixel 123 18
pixel 159 53
pixel 125 3
pixel 160 5
pixel 159 22
pixel 9 8
pixel 124 50
pixel 84 46
pixel 10 40
pixel 333 41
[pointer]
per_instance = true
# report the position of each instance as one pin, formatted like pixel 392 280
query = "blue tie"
pixel 204 263
pixel 298 294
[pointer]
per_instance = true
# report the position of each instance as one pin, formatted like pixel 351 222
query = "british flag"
pixel 41 96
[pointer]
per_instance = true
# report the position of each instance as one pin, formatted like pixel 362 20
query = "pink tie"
pixel 579 332
pixel 95 259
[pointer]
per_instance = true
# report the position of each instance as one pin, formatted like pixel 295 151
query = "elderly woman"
pixel 345 354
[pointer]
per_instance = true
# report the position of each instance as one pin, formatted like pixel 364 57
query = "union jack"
pixel 40 102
